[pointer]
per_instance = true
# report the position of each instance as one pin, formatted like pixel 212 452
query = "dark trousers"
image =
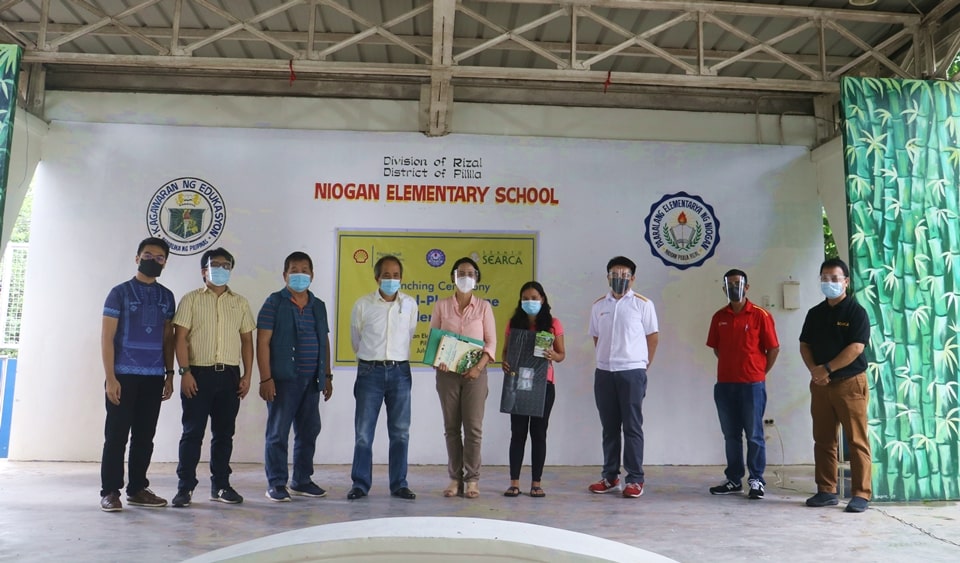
pixel 740 408
pixel 619 396
pixel 217 399
pixel 136 417
pixel 537 426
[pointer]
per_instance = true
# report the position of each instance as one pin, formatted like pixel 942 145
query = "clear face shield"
pixel 734 289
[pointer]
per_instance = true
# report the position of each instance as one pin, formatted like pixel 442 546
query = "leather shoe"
pixel 404 493
pixel 356 493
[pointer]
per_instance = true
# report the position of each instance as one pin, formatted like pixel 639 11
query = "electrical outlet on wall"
pixel 768 422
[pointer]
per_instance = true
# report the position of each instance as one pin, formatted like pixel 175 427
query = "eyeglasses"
pixel 225 265
pixel 158 258
pixel 623 275
pixel 834 279
pixel 469 274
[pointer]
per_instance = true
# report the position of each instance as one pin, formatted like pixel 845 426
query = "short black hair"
pixel 622 261
pixel 297 256
pixel 154 241
pixel 465 260
pixel 736 272
pixel 378 267
pixel 835 263
pixel 217 253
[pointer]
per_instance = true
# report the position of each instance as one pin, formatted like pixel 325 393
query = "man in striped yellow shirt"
pixel 214 335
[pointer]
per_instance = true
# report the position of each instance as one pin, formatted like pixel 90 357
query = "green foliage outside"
pixel 902 160
pixel 829 243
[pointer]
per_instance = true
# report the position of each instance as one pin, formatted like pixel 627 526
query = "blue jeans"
pixel 297 404
pixel 619 396
pixel 216 399
pixel 377 385
pixel 740 407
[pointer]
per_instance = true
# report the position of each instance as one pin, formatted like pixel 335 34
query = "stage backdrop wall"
pixel 276 191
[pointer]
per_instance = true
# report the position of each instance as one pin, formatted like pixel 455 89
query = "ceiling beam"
pixel 735 8
pixel 439 94
pixel 459 43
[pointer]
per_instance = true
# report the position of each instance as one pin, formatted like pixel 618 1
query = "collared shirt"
pixel 742 341
pixel 621 327
pixel 142 310
pixel 381 329
pixel 476 321
pixel 215 324
pixel 828 330
pixel 287 323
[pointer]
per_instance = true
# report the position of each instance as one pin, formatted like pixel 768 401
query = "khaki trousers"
pixel 462 402
pixel 841 404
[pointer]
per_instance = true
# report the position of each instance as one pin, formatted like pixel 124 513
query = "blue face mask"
pixel 389 287
pixel 831 290
pixel 530 307
pixel 298 282
pixel 218 276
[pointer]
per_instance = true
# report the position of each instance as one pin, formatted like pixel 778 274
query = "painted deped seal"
pixel 682 230
pixel 188 213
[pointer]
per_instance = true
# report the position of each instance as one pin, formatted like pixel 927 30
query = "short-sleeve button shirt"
pixel 621 327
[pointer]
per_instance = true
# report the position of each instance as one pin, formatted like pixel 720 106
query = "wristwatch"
pixel 330 376
pixel 184 370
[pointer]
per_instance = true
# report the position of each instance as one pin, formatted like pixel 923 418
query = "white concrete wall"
pixel 58 413
pixel 28 133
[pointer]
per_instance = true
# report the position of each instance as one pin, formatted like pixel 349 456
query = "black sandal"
pixel 512 492
pixel 537 492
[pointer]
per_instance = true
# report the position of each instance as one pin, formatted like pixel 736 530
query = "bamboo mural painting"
pixel 902 161
pixel 9 72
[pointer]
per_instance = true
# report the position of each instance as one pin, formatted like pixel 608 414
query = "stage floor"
pixel 50 512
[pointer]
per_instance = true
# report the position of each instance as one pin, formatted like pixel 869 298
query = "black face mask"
pixel 735 293
pixel 619 285
pixel 150 268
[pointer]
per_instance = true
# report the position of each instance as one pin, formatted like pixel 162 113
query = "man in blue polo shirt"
pixel 293 354
pixel 137 349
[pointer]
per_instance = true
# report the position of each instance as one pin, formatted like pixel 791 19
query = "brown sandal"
pixel 537 492
pixel 512 492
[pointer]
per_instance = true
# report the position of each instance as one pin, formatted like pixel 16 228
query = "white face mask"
pixel 466 285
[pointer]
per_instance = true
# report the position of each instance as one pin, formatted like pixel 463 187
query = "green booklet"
pixel 433 344
pixel 542 343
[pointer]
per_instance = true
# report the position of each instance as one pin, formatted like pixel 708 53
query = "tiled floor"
pixel 50 512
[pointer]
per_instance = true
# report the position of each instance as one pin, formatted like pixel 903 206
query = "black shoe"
pixel 823 499
pixel 756 489
pixel 356 493
pixel 226 495
pixel 182 498
pixel 856 504
pixel 727 488
pixel 404 493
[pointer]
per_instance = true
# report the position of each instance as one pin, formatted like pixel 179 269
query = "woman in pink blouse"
pixel 462 396
pixel 533 313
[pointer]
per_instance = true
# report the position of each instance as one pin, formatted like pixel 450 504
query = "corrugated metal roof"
pixel 520 41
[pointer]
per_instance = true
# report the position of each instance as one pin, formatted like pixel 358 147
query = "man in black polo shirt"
pixel 831 345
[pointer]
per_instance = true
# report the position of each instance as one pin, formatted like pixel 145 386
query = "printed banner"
pixel 901 148
pixel 506 261
pixel 9 73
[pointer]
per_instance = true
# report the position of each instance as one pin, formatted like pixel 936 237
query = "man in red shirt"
pixel 744 340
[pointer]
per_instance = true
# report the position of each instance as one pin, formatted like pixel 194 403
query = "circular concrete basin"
pixel 432 540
